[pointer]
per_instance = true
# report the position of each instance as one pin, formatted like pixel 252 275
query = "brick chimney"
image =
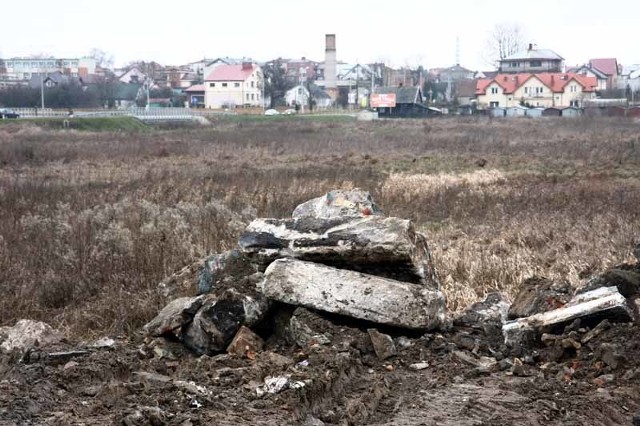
pixel 330 62
pixel 247 65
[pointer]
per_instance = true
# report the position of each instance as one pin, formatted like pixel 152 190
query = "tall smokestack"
pixel 330 60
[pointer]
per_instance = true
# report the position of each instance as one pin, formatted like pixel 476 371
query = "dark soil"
pixel 342 383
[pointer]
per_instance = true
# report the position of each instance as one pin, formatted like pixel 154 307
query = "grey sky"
pixel 415 32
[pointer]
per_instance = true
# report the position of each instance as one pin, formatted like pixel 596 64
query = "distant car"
pixel 271 112
pixel 7 113
pixel 289 111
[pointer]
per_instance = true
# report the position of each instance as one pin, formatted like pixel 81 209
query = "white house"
pixel 300 94
pixel 234 85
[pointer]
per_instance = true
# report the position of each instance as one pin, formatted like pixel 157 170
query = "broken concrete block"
pixel 493 309
pixel 339 203
pixel 220 318
pixel 173 317
pixel 354 294
pixel 231 265
pixel 625 277
pixel 388 247
pixel 382 344
pixel 308 328
pixel 605 302
pixel 26 334
pixel 245 342
pixel 539 294
pixel 484 362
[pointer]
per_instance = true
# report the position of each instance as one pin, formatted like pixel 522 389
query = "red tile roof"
pixel 609 66
pixel 196 88
pixel 556 82
pixel 230 73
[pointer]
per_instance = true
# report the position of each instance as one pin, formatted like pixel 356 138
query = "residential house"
pixel 589 71
pixel 532 60
pixel 453 74
pixel 608 66
pixel 234 85
pixel 465 92
pixel 301 69
pixel 195 96
pixel 535 90
pixel 630 80
pixel 132 75
pixel 408 102
pixel 52 80
pixel 300 95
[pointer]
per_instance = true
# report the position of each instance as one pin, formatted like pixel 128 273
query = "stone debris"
pixel 354 294
pixel 382 344
pixel 538 295
pixel 26 334
pixel 227 266
pixel 339 203
pixel 419 366
pixel 492 310
pixel 605 302
pixel 174 317
pixel 307 328
pixel 246 343
pixel 277 384
pixel 377 245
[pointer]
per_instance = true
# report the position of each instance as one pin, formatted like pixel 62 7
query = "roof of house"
pixel 230 73
pixel 556 82
pixel 466 88
pixel 404 94
pixel 534 54
pixel 126 91
pixel 609 66
pixel 586 68
pixel 196 88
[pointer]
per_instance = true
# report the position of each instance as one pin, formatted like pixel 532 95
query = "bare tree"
pixel 505 39
pixel 102 58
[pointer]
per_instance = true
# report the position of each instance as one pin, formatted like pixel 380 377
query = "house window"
pixel 575 103
pixel 574 89
pixel 212 85
pixel 535 64
pixel 247 96
pixel 224 84
pixel 494 90
pixel 236 84
pixel 539 90
pixel 252 97
pixel 526 90
pixel 494 104
pixel 253 84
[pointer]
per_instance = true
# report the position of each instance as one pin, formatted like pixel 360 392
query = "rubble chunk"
pixel 625 277
pixel 388 247
pixel 220 318
pixel 538 295
pixel 174 317
pixel 382 344
pixel 230 265
pixel 26 334
pixel 339 203
pixel 306 328
pixel 605 302
pixel 246 342
pixel 493 309
pixel 354 294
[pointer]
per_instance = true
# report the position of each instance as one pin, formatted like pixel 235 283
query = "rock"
pixel 609 355
pixel 625 277
pixel 419 366
pixel 538 295
pixel 493 309
pixel 245 343
pixel 306 328
pixel 605 302
pixel 339 203
pixel 382 344
pixel 277 384
pixel 604 379
pixel 220 318
pixel 354 294
pixel 595 332
pixel 636 419
pixel 103 343
pixel 388 247
pixel 465 341
pixel 160 379
pixel 231 265
pixel 483 362
pixel 26 334
pixel 174 317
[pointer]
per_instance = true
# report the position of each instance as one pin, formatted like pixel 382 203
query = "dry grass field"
pixel 91 221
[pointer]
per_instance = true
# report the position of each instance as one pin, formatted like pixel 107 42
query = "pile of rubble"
pixel 340 258
pixel 337 254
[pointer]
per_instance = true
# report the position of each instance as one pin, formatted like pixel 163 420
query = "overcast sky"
pixel 403 33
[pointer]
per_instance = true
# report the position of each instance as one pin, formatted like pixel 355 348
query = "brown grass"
pixel 91 222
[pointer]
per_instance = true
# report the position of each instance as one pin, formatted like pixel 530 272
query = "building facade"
pixel 230 86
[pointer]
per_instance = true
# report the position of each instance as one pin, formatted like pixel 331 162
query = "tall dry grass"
pixel 91 222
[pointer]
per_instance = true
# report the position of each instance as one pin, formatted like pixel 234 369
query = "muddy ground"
pixel 342 382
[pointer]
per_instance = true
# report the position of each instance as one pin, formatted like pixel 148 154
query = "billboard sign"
pixel 383 100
